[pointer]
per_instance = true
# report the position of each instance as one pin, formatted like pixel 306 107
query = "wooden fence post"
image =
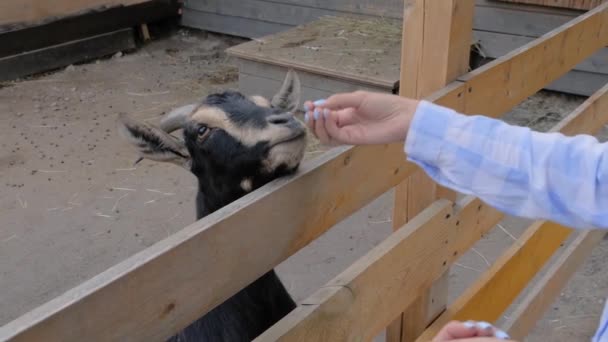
pixel 437 37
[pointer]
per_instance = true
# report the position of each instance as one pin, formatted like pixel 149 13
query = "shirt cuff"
pixel 427 131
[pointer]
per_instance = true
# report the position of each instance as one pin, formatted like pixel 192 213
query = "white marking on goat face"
pixel 289 154
pixel 260 101
pixel 247 135
pixel 246 184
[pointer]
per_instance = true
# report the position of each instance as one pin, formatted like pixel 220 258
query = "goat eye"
pixel 202 130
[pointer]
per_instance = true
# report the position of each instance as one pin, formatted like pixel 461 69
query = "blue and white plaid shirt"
pixel 521 172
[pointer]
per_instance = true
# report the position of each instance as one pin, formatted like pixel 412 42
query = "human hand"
pixel 360 118
pixel 470 331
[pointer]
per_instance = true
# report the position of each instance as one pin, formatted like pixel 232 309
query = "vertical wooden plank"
pixel 437 36
pixel 144 32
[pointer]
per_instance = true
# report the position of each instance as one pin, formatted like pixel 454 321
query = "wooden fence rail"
pixel 510 274
pixel 360 302
pixel 154 293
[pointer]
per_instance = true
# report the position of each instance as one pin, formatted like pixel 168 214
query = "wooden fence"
pixel 399 284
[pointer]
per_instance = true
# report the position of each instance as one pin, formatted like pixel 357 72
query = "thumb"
pixel 343 135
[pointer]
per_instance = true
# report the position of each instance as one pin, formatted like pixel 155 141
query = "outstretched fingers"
pixel 341 101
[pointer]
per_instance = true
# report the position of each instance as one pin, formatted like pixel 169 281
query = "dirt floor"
pixel 73 204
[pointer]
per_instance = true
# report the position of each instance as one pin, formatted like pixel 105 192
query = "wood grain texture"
pixel 496 45
pixel 362 300
pixel 367 52
pixel 34 11
pixel 252 18
pixel 308 79
pixel 496 289
pixel 300 328
pixel 528 69
pixel 274 12
pixel 437 37
pixel 579 83
pixel 518 21
pixel 153 294
pixel 384 8
pixel 84 26
pixel 61 55
pixel 573 4
pixel 237 26
pixel 542 295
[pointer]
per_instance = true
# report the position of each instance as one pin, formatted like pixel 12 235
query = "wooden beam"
pixel 534 305
pixel 360 302
pixel 369 297
pixel 19 12
pixel 437 38
pixel 84 26
pixel 492 294
pixel 62 55
pixel 144 32
pixel 528 69
pixel 153 294
pixel 496 289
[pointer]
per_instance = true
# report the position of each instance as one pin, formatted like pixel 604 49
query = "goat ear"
pixel 153 143
pixel 288 97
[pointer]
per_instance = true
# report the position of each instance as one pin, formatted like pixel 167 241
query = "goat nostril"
pixel 279 121
pixel 282 119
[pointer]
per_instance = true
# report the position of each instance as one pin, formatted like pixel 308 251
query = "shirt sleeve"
pixel 521 172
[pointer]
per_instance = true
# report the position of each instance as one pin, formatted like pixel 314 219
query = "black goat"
pixel 233 144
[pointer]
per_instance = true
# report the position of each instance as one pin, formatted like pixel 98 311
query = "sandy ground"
pixel 72 204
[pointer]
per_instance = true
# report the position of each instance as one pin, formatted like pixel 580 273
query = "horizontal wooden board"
pixel 574 4
pixel 574 82
pixel 153 294
pixel 526 70
pixel 273 12
pixel 18 12
pixel 510 19
pixel 516 21
pixel 496 289
pixel 53 57
pixel 579 83
pixel 383 8
pixel 236 26
pixel 494 45
pixel 359 50
pixel 542 295
pixel 307 78
pixel 361 301
pixel 84 26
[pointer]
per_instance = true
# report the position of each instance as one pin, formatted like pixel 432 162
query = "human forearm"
pixel 518 171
